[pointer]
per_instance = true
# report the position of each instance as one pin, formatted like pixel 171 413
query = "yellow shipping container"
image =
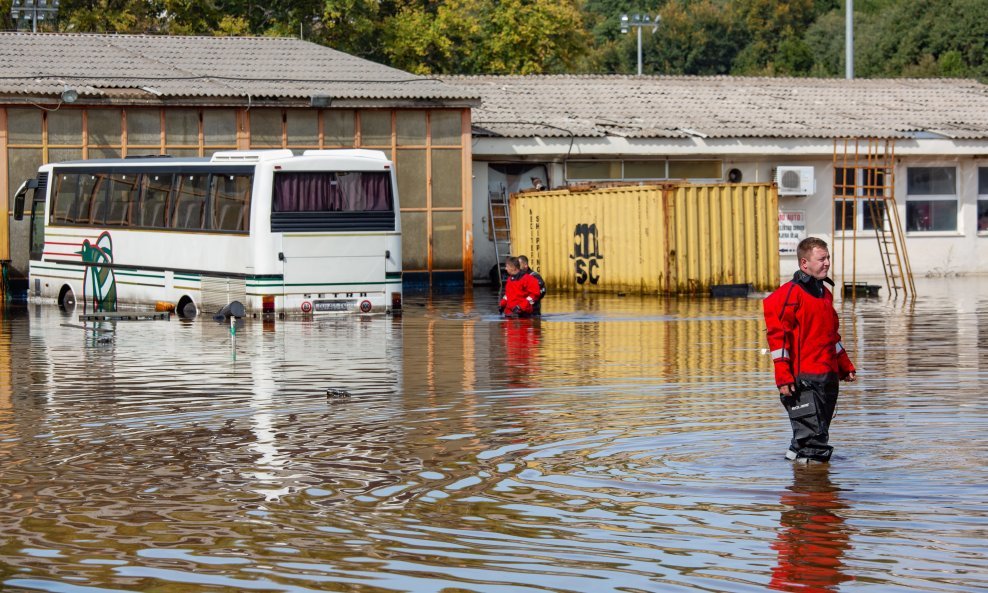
pixel 650 239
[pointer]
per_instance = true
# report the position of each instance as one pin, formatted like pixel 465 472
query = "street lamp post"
pixel 638 21
pixel 34 11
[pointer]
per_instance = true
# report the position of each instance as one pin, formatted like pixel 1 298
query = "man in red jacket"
pixel 807 352
pixel 520 291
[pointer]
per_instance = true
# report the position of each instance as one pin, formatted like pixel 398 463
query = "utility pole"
pixel 849 41
pixel 638 21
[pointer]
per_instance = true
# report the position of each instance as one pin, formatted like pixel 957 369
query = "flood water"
pixel 619 444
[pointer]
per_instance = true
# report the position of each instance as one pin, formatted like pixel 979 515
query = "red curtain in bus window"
pixel 332 192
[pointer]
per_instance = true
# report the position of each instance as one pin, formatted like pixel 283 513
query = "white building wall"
pixel 963 251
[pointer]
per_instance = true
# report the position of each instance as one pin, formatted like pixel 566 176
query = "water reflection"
pixel 616 444
pixel 813 535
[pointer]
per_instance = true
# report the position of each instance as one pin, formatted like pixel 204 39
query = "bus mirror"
pixel 19 197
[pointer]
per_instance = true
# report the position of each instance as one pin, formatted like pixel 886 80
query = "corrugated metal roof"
pixel 725 107
pixel 175 67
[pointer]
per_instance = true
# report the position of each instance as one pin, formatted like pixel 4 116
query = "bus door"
pixel 39 187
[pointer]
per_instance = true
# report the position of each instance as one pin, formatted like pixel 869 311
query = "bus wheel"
pixel 66 298
pixel 186 308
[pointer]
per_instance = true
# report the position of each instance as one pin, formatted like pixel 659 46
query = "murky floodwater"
pixel 620 444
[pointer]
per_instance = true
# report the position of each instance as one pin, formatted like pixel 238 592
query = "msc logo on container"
pixel 586 254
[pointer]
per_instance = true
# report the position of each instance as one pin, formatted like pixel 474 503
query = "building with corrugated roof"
pixel 71 96
pixel 565 130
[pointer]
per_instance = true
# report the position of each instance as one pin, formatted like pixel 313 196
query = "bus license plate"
pixel 332 305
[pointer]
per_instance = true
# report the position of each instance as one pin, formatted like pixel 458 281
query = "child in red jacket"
pixel 521 291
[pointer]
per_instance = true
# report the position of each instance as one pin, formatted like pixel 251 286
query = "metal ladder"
pixel 499 215
pixel 877 185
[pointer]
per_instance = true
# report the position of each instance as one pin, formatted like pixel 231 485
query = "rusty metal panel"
pixel 650 239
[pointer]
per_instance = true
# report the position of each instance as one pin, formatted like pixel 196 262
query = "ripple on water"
pixel 618 444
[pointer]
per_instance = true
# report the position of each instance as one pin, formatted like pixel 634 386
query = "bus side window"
pixel 154 203
pixel 65 199
pixel 123 196
pixel 95 205
pixel 230 202
pixel 190 201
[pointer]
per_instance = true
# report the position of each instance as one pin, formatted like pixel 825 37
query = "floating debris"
pixel 337 393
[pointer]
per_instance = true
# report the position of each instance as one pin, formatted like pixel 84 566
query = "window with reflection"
pixel 230 202
pixel 931 200
pixel 190 201
pixel 353 191
pixel 122 200
pixel 154 204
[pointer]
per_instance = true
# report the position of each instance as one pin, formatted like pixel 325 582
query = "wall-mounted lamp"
pixel 70 95
pixel 320 101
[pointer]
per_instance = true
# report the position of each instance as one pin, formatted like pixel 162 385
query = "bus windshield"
pixel 354 191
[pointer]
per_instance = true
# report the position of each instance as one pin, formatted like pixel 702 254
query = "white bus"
pixel 280 233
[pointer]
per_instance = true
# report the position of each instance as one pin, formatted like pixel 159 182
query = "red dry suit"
pixel 803 332
pixel 521 290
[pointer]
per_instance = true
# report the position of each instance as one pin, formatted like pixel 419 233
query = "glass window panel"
pixel 144 151
pixel 66 195
pixel 62 155
pixel 644 169
pixel 447 179
pixel 104 153
pixel 338 128
pixel 931 181
pixel 154 204
pixel 103 127
pixel 24 126
pixel 303 127
pixel 414 241
pixel 183 152
pixel 931 215
pixel 37 239
pixel 410 127
pixel 122 199
pixel 694 170
pixel 983 180
pixel 22 164
pixel 266 128
pixel 190 201
pixel 143 127
pixel 375 128
pixel 593 170
pixel 844 181
pixel 410 170
pixel 983 215
pixel 446 128
pixel 96 185
pixel 872 211
pixel 231 202
pixel 873 181
pixel 219 127
pixel 65 127
pixel 447 240
pixel 181 127
pixel 352 191
pixel 844 215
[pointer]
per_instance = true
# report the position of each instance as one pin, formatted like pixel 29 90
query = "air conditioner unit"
pixel 795 181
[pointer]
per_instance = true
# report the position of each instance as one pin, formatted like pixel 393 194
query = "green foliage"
pixel 695 37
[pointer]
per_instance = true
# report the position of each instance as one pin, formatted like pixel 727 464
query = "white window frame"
pixel 913 198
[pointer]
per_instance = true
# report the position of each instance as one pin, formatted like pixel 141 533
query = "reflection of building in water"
pixel 813 536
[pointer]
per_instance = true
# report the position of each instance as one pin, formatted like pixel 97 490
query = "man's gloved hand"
pixel 516 310
pixel 500 309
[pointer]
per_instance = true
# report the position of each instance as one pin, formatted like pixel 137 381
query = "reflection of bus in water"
pixel 302 234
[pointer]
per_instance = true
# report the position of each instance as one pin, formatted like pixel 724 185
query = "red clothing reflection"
pixel 522 337
pixel 813 537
